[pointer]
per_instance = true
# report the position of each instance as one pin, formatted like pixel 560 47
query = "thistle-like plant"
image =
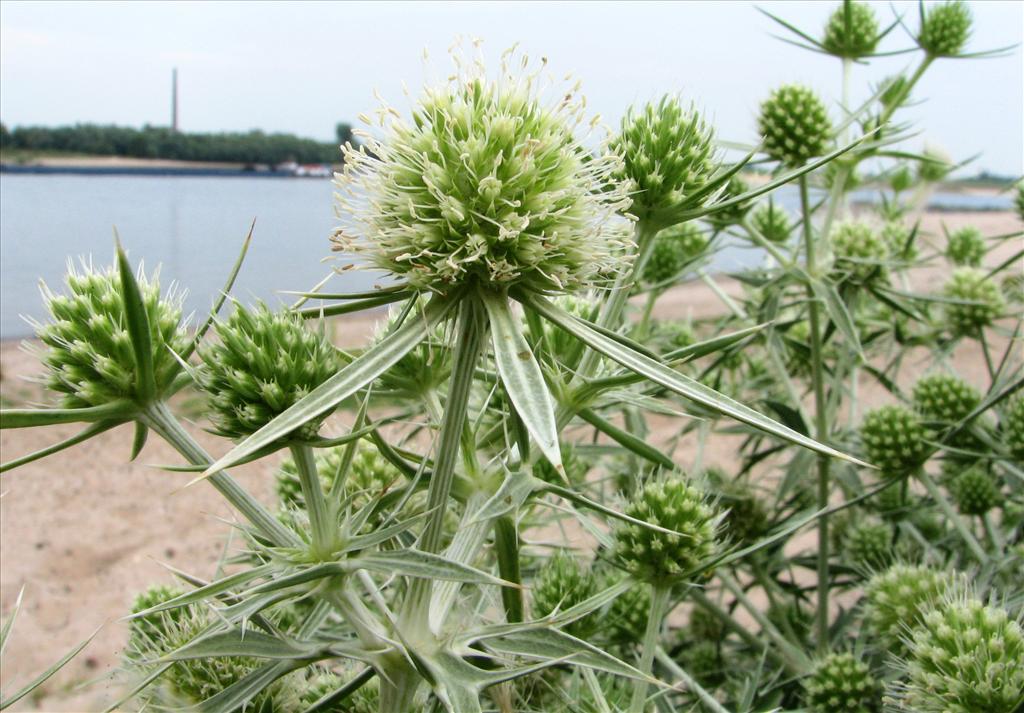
pixel 509 403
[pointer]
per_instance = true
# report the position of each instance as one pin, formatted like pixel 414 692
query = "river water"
pixel 192 228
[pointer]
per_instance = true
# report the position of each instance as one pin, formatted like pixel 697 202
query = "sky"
pixel 302 67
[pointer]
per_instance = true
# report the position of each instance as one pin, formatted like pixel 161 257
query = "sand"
pixel 83 531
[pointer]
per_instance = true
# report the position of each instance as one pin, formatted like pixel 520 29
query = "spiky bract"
pixel 656 556
pixel 668 152
pixel 860 252
pixel 945 28
pixel 486 183
pixel 895 600
pixel 673 249
pixel 966 247
pixel 89 357
pixel 794 125
pixel 965 657
pixel 841 682
pixel 894 439
pixel 263 363
pixel 981 301
pixel 852 31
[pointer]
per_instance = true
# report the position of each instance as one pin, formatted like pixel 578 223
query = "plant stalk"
pixel 160 419
pixel 958 522
pixel 659 603
pixel 313 494
pixel 820 420
pixel 506 545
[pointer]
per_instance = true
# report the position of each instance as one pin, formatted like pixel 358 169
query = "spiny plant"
pixel 509 498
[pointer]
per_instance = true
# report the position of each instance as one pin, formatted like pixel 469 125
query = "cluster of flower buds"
pixel 842 682
pixel 894 439
pixel 794 125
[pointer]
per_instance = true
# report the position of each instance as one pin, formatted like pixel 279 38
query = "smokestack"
pixel 174 100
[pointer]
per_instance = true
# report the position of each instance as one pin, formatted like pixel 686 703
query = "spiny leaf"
pixel 85 435
pixel 682 385
pixel 119 411
pixel 522 376
pixel 137 320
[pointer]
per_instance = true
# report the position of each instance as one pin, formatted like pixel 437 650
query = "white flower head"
pixel 488 181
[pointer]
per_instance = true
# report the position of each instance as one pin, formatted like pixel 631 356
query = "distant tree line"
pixel 253 147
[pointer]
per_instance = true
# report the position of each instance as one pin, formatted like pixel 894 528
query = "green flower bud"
pixel 263 363
pixel 964 657
pixel 153 628
pixel 869 544
pixel 893 439
pixel 669 156
pixel 561 584
pixel 890 503
pixel 945 28
pixel 366 698
pixel 895 600
pixel 703 661
pixel 852 31
pixel 655 556
pixel 975 492
pixel 672 334
pixel 935 166
pixel 674 248
pixel 89 357
pixel 1012 426
pixel 860 253
pixel 723 218
pixel 772 222
pixel 705 626
pixel 841 682
pixel 899 240
pixel 966 247
pixel 746 518
pixel 487 183
pixel 944 398
pixel 794 125
pixel 369 476
pixel 626 617
pixel 972 285
pixel 574 465
pixel 188 683
pixel 902 178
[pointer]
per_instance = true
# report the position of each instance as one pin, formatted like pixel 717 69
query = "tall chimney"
pixel 174 100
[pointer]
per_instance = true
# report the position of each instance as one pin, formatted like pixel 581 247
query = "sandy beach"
pixel 83 531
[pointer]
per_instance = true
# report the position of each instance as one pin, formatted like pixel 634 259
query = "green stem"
pixel 159 418
pixel 659 603
pixel 470 334
pixel 748 636
pixel 790 651
pixel 953 516
pixel 721 294
pixel 820 420
pixel 705 697
pixel 313 495
pixel 506 545
pixel 610 315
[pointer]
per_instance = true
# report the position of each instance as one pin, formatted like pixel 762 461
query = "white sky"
pixel 301 67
